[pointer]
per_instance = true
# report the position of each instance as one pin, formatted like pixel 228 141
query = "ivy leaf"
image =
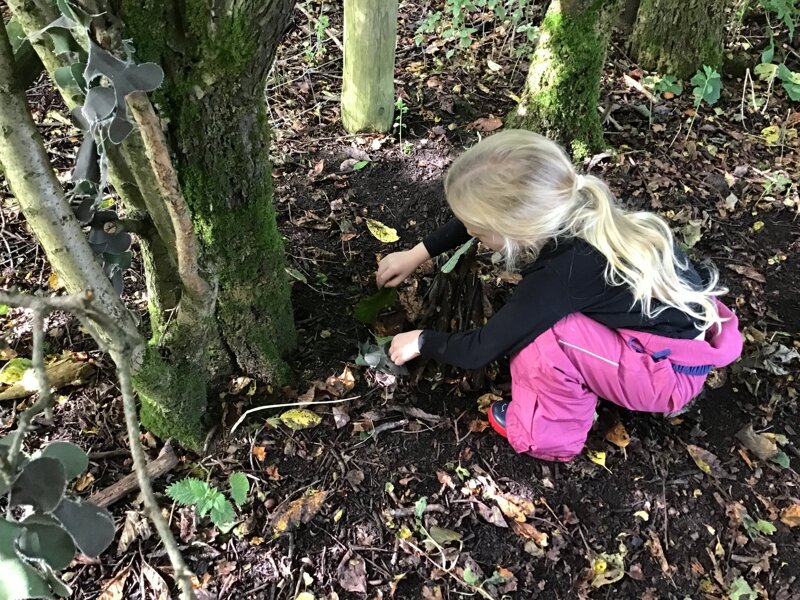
pixel 239 485
pixel 188 492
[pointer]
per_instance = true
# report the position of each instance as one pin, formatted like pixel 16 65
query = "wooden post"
pixel 370 37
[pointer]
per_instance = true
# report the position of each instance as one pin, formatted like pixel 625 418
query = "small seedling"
pixel 208 500
pixel 707 88
pixel 402 108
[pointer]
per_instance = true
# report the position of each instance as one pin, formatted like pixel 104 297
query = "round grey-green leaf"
pixel 18 580
pixel 41 484
pixel 91 527
pixel 44 539
pixel 73 458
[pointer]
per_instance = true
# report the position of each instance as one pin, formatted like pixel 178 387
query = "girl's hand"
pixel 395 267
pixel 405 346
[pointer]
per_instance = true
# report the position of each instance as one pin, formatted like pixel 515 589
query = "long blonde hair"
pixel 522 187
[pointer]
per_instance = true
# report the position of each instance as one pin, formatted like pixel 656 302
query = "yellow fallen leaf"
pixel 791 515
pixel 385 234
pixel 705 460
pixel 53 281
pixel 485 401
pixel 618 436
pixel 84 482
pixel 300 418
pixel 642 514
pixel 758 225
pixel 598 458
pixel 302 510
pixel 608 568
pixel 478 425
pixel 304 596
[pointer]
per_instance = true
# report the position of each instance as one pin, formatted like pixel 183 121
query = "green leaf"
pixel 741 589
pixel 240 486
pixel 360 165
pixel 420 506
pixel 14 370
pixel 368 309
pixel 765 71
pixel 768 54
pixel 3 310
pixel 382 340
pixel 470 577
pixel 222 513
pixel 790 81
pixel 444 536
pixel 765 527
pixel 91 527
pixel 41 484
pixel 670 84
pixel 708 86
pixel 43 538
pixel 300 418
pixel 451 264
pixel 70 76
pixel 188 492
pixel 74 459
pixel 781 459
pixel 18 580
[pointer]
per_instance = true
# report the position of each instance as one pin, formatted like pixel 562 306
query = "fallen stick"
pixel 166 461
pixel 412 510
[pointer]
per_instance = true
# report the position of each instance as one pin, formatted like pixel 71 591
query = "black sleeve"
pixel 450 235
pixel 538 303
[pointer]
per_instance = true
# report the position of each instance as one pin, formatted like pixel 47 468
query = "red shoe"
pixel 497 416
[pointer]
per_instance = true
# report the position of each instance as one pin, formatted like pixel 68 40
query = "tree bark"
pixel 370 37
pixel 27 64
pixel 563 84
pixel 216 56
pixel 677 37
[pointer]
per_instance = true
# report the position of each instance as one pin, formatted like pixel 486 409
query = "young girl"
pixel 608 305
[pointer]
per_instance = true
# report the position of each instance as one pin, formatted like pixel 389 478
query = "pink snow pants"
pixel 556 381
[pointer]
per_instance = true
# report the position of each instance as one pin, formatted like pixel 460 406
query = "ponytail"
pixel 640 251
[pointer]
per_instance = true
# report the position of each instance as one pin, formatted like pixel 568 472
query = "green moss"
pixel 185 388
pixel 146 24
pixel 563 86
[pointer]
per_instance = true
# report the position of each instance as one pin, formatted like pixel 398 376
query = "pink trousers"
pixel 556 380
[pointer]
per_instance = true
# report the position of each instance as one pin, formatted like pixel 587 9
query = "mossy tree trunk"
pixel 217 289
pixel 563 84
pixel 677 37
pixel 370 37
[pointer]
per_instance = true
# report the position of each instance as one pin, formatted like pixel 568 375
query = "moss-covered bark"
pixel 563 85
pixel 212 103
pixel 677 37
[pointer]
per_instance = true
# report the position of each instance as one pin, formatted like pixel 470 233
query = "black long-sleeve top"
pixel 567 277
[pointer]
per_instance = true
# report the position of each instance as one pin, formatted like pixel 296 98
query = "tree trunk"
pixel 27 64
pixel 677 37
pixel 563 85
pixel 216 57
pixel 370 37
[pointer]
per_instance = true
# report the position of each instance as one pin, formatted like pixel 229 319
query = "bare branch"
pixel 158 154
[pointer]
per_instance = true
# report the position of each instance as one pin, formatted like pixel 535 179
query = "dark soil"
pixel 692 544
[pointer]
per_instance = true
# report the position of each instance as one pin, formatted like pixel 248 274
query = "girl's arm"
pixel 395 267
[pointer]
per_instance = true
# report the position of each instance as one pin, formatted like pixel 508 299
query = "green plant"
pixel 454 24
pixel 707 88
pixel 208 500
pixel 661 84
pixel 788 12
pixel 55 525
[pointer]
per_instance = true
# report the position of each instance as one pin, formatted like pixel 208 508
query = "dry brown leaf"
pixel 136 526
pixel 339 385
pixel 791 515
pixel 260 452
pixel 478 425
pixel 510 509
pixel 618 435
pixel 290 515
pixel 491 515
pixel 84 481
pixel 528 531
pixel 485 401
pixel 431 593
pixel 707 462
pixel 156 581
pixel 114 587
pixel 272 472
pixel 486 124
pixel 411 301
pixel 352 574
pixel 760 445
pixel 657 552
pixel 748 272
pixel 445 479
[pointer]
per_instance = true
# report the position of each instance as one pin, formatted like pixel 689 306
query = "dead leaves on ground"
pixel 289 515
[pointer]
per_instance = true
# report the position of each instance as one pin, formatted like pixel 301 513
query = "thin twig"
pixel 411 510
pixel 328 31
pixel 287 405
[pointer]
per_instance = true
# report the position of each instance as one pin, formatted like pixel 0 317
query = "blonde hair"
pixel 522 187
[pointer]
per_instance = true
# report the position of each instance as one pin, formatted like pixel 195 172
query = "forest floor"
pixel 403 492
